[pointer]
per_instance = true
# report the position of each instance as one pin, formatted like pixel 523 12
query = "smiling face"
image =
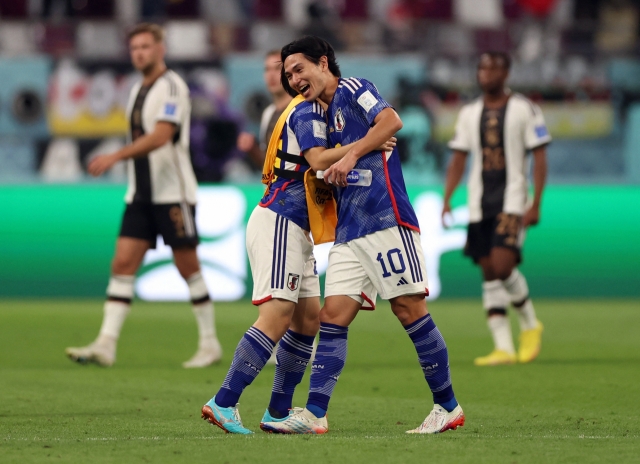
pixel 305 77
pixel 145 52
pixel 492 73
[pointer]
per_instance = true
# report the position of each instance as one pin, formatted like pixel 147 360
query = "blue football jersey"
pixel 305 128
pixel 384 204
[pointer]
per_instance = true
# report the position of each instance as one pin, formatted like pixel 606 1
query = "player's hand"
pixel 337 173
pixel 388 145
pixel 531 217
pixel 246 141
pixel 101 163
pixel 446 215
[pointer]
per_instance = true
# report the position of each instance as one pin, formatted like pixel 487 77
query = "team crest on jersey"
pixel 338 121
pixel 293 281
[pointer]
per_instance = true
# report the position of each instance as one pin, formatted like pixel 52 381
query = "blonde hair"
pixel 154 29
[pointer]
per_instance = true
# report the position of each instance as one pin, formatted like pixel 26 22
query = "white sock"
pixel 116 308
pixel 501 332
pixel 527 316
pixel 115 312
pixel 202 309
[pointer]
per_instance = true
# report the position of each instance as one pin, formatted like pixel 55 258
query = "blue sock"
pixel 434 360
pixel 252 353
pixel 294 352
pixel 327 366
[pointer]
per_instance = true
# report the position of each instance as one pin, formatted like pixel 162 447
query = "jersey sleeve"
pixel 366 98
pixel 536 132
pixel 310 127
pixel 461 140
pixel 171 105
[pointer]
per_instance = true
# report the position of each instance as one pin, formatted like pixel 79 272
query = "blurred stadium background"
pixel 65 76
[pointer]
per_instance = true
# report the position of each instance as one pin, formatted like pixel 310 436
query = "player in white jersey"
pixel 160 199
pixel 498 130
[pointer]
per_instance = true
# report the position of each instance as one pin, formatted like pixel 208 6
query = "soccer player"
pixel 160 199
pixel 286 288
pixel 499 129
pixel 377 247
pixel 246 141
pixel 256 149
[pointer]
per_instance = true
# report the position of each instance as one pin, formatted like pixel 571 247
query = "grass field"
pixel 579 402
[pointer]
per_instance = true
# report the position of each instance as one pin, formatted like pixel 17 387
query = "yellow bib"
pixel 321 205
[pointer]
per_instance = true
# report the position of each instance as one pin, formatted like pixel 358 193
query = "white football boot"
pixel 439 420
pixel 300 421
pixel 209 352
pixel 102 354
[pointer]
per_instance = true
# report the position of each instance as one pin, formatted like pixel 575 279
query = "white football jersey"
pixel 523 130
pixel 165 175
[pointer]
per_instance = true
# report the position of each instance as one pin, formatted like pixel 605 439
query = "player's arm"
pixel 163 132
pixel 321 158
pixel 455 170
pixel 386 124
pixel 532 216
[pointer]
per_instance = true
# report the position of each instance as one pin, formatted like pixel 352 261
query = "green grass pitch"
pixel 579 402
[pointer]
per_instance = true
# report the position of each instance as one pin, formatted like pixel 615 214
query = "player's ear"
pixel 324 63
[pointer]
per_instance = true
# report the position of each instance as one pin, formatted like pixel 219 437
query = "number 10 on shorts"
pixel 395 260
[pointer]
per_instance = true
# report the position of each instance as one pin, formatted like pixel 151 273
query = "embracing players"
pixel 160 199
pixel 286 288
pixel 377 247
pixel 498 130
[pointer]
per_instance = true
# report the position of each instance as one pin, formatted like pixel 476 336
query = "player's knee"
pixel 502 271
pixel 123 265
pixel 409 308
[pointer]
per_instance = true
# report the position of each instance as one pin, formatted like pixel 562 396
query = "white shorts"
pixel 281 258
pixel 389 262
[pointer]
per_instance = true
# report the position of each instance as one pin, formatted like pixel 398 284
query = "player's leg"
pixel 250 356
pixel 209 349
pixel 128 257
pixel 394 261
pixel 495 301
pixel 176 223
pixel 514 282
pixel 295 349
pixel 273 245
pixel 480 241
pixel 347 289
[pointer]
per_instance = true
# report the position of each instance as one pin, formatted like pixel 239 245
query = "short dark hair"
pixel 313 48
pixel 504 56
pixel 154 29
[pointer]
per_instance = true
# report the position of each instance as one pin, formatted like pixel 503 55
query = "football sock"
pixel 202 308
pixel 526 315
pixel 516 286
pixel 495 300
pixel 251 355
pixel 434 359
pixel 501 332
pixel 116 308
pixel 294 352
pixel 331 355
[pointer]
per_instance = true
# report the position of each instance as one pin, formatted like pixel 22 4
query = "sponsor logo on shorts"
pixel 402 281
pixel 293 281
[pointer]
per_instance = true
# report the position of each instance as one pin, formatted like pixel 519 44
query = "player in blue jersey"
pixel 377 247
pixel 286 287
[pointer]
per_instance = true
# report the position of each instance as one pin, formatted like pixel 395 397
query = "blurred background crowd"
pixel 65 76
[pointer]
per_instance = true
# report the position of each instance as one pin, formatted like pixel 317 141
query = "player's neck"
pixel 281 100
pixel 497 99
pixel 329 91
pixel 154 73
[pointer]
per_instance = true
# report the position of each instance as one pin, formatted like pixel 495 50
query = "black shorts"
pixel 504 230
pixel 174 221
